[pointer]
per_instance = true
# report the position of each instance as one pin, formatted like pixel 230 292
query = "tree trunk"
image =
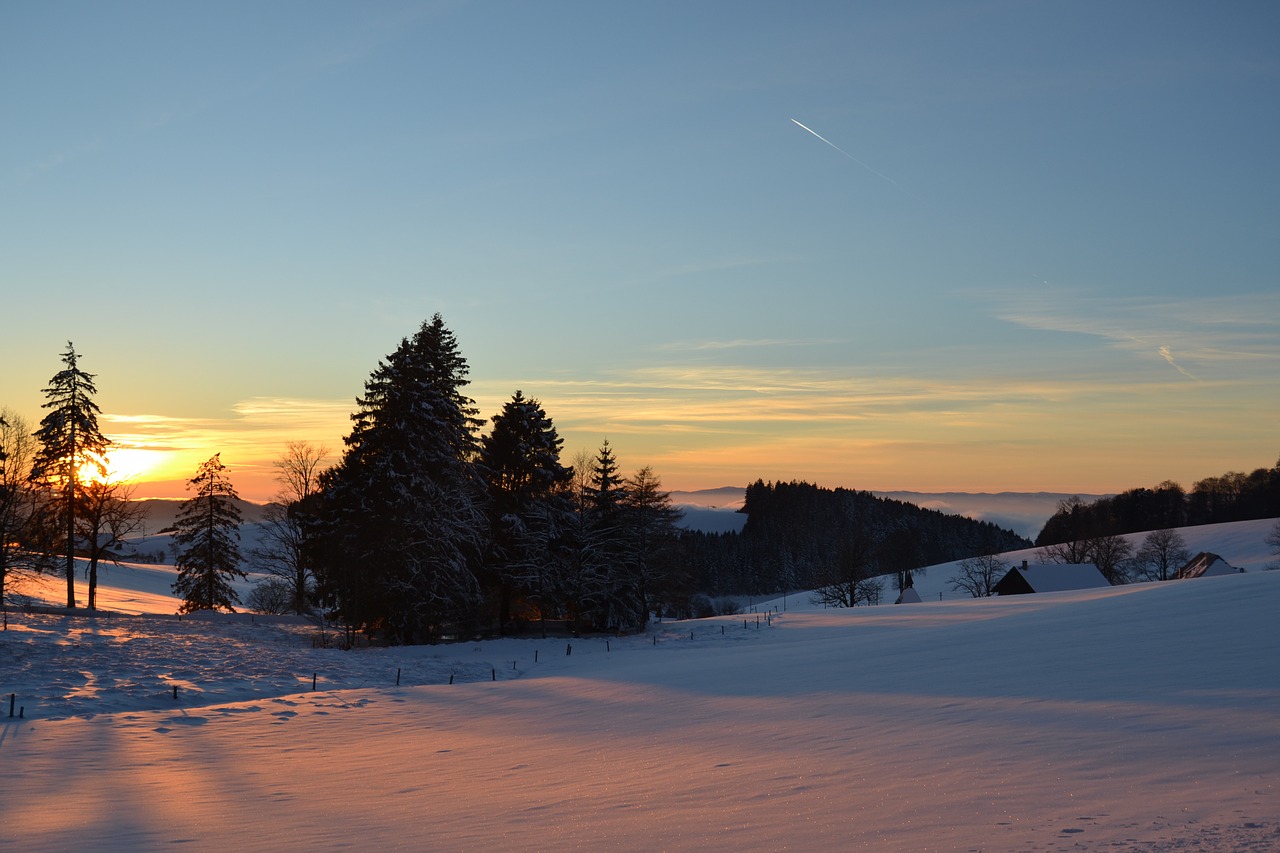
pixel 71 537
pixel 93 582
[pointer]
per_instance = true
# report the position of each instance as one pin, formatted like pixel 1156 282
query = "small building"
pixel 1206 565
pixel 908 596
pixel 1049 577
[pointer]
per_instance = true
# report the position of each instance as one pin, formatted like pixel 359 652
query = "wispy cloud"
pixel 735 400
pixel 281 414
pixel 1210 331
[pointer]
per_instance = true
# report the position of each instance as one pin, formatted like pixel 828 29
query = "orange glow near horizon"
pixel 130 465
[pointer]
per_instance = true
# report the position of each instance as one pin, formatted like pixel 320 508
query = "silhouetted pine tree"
pixel 70 443
pixel 529 507
pixel 208 542
pixel 608 550
pixel 650 520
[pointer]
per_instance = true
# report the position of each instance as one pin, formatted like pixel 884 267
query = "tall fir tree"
pixel 208 541
pixel 580 587
pixel 610 550
pixel 651 526
pixel 529 505
pixel 399 525
pixel 71 447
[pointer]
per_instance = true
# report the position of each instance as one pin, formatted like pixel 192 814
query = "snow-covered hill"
pixel 1241 543
pixel 1139 718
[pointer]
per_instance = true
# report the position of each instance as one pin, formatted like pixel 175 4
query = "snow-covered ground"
pixel 1144 717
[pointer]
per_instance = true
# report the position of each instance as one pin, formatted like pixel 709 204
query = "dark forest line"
pixel 1233 496
pixel 802 536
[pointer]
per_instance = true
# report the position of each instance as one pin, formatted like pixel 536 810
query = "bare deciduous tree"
pixel 19 503
pixel 1273 539
pixel 978 576
pixel 851 582
pixel 298 470
pixel 1161 554
pixel 271 595
pixel 107 514
pixel 1111 555
pixel 281 552
pixel 1074 552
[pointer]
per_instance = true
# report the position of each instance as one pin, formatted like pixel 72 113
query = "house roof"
pixel 908 596
pixel 1206 565
pixel 1052 577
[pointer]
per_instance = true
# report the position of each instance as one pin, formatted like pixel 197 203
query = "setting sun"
pixel 126 465
pixel 129 464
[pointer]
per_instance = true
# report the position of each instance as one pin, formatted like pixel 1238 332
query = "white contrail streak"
pixel 1167 355
pixel 845 153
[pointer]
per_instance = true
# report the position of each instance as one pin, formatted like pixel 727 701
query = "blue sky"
pixel 1040 251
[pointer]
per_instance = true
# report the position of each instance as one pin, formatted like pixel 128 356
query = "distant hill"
pixel 711 520
pixel 162 512
pixel 723 498
pixel 1025 513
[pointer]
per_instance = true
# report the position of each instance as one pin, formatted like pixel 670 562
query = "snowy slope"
pixel 131 587
pixel 1240 543
pixel 1140 717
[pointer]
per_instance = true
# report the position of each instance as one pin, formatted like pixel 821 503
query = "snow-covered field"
pixel 1144 717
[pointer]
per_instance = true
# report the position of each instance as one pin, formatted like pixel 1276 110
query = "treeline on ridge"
pixel 1234 496
pixel 801 536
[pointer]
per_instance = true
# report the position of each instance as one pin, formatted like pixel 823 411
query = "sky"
pixel 953 246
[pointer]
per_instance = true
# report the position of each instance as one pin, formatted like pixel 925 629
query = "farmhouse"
pixel 1206 565
pixel 1052 577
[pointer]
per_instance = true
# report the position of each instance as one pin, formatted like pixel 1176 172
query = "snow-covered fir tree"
pixel 400 524
pixel 609 549
pixel 208 541
pixel 529 509
pixel 651 526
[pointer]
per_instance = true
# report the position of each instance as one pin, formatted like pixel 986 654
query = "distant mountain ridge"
pixel 163 512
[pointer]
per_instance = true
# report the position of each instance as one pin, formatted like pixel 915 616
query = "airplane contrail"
pixel 845 153
pixel 1167 355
